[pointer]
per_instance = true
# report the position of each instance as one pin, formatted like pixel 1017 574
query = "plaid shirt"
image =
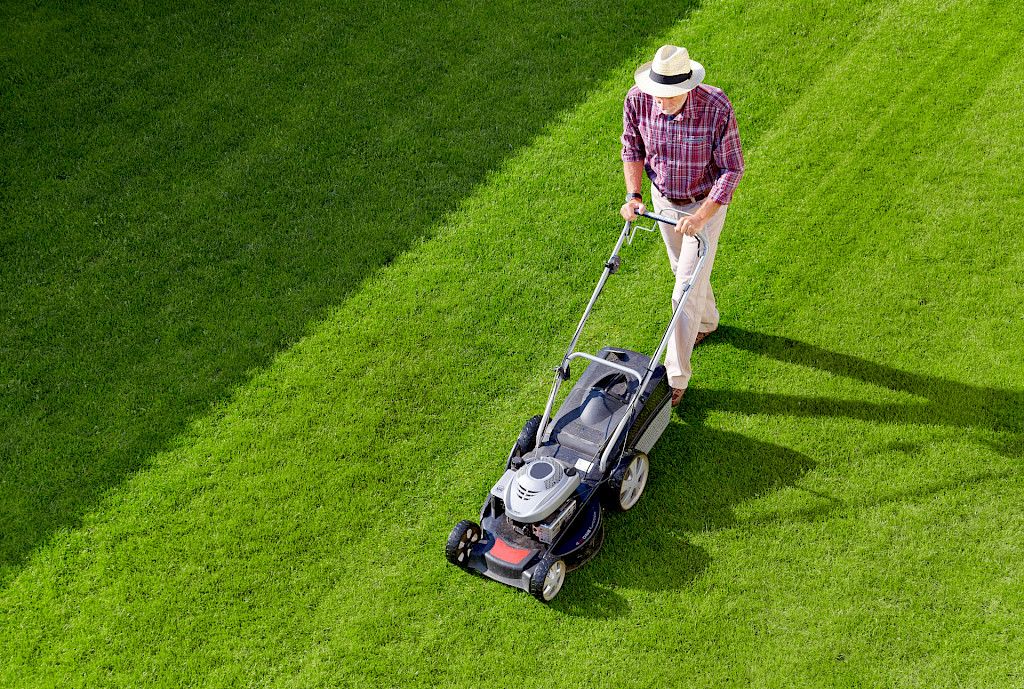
pixel 691 154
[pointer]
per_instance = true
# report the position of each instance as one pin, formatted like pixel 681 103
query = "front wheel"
pixel 461 541
pixel 547 579
pixel 527 439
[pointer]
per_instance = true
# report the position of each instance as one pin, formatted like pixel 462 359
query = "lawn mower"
pixel 545 515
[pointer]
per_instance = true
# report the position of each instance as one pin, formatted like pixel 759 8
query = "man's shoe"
pixel 700 338
pixel 677 394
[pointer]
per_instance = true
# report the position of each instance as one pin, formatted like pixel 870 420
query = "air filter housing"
pixel 538 488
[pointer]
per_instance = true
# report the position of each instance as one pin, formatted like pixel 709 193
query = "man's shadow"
pixel 700 474
pixel 942 402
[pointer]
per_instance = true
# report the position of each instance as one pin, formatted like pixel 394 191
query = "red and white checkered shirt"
pixel 693 153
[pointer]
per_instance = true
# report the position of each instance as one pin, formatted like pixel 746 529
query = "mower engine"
pixel 547 531
pixel 537 497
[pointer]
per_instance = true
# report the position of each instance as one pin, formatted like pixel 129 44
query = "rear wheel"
pixel 628 483
pixel 461 541
pixel 547 579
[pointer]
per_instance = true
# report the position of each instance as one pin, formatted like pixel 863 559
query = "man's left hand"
pixel 690 224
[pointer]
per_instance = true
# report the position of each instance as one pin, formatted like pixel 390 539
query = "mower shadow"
pixel 156 271
pixel 699 474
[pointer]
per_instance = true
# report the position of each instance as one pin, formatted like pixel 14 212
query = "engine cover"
pixel 537 489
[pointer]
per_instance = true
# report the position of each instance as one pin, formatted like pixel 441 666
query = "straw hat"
pixel 670 73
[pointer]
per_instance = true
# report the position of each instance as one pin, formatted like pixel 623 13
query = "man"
pixel 683 133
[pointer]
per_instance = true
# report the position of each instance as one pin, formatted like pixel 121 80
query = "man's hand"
pixel 690 224
pixel 631 208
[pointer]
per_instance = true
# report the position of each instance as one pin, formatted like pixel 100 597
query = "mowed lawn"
pixel 280 286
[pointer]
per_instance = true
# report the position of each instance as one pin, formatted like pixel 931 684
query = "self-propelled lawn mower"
pixel 545 515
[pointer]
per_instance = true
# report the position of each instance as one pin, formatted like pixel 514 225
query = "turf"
pixel 178 211
pixel 242 412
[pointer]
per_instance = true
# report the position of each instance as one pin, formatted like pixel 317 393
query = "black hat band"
pixel 670 78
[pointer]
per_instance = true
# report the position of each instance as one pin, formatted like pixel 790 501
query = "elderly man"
pixel 683 133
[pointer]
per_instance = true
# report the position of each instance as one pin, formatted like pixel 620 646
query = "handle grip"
pixel 662 218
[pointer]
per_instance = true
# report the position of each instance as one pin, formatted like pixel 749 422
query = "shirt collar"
pixel 688 112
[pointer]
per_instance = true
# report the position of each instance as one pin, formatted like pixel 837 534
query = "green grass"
pixel 187 190
pixel 241 412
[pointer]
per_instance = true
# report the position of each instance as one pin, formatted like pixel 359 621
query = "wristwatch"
pixel 634 195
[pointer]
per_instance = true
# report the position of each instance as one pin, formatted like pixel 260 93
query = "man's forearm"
pixel 707 209
pixel 634 174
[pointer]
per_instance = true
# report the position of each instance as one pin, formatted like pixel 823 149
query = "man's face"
pixel 670 106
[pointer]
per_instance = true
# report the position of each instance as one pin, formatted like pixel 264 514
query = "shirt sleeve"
pixel 632 143
pixel 728 154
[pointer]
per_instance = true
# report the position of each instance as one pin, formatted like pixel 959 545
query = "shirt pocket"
pixel 694 148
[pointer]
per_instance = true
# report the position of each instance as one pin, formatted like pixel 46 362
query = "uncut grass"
pixel 186 189
pixel 835 506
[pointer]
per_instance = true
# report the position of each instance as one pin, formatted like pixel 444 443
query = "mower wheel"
pixel 628 482
pixel 460 542
pixel 547 579
pixel 528 436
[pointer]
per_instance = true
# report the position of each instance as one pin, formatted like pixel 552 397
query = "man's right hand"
pixel 631 208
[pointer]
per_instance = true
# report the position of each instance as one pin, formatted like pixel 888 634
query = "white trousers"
pixel 700 314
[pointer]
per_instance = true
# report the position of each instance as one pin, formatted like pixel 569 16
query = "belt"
pixel 683 201
pixel 686 201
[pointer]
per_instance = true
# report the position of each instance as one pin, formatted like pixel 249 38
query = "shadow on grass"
pixel 713 470
pixel 943 402
pixel 186 188
pixel 699 475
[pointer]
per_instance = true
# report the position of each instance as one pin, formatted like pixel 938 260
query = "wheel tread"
pixel 460 542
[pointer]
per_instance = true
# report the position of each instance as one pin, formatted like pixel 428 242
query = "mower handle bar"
pixel 662 218
pixel 604 362
pixel 610 267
